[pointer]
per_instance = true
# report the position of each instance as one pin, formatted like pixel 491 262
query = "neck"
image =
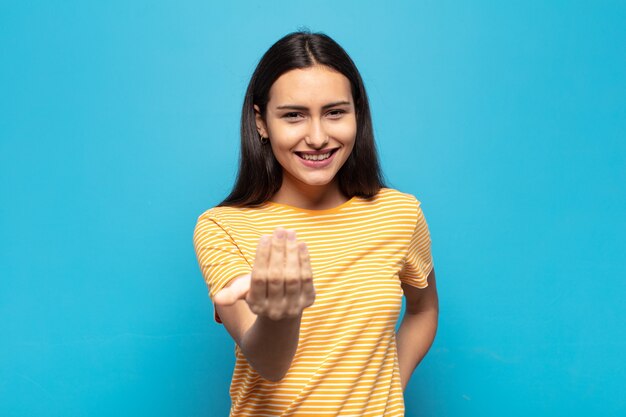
pixel 310 197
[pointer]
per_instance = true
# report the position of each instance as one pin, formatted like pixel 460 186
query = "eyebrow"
pixel 325 106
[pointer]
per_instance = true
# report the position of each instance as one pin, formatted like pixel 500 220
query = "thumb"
pixel 237 290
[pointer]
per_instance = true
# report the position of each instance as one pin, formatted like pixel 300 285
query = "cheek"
pixel 286 133
pixel 345 132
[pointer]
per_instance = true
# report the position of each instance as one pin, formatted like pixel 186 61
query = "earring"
pixel 264 140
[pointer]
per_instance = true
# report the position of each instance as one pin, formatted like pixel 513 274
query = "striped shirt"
pixel 346 361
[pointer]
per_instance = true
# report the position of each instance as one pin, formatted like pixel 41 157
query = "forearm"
pixel 415 336
pixel 269 345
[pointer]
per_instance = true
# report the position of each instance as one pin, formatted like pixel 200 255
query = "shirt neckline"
pixel 309 211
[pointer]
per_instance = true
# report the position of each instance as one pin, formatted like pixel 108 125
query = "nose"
pixel 317 137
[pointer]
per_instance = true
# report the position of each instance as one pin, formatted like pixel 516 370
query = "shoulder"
pixel 220 214
pixel 231 220
pixel 214 219
pixel 394 197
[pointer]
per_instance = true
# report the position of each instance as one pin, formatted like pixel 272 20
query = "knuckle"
pixel 256 302
pixel 291 272
pixel 258 275
pixel 258 282
pixel 276 273
pixel 275 315
pixel 274 280
pixel 292 292
pixel 291 282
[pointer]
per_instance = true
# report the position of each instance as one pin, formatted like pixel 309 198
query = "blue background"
pixel 119 127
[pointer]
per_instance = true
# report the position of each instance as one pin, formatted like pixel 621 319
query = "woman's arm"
pixel 418 328
pixel 269 345
pixel 262 311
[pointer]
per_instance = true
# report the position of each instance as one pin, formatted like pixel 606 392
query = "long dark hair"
pixel 260 175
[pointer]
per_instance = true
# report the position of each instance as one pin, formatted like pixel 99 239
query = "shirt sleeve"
pixel 418 261
pixel 219 257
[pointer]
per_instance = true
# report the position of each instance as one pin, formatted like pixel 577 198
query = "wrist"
pixel 282 323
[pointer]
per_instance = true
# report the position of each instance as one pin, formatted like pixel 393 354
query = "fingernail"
pixel 280 233
pixel 291 235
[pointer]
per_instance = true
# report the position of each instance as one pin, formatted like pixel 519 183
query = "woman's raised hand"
pixel 281 283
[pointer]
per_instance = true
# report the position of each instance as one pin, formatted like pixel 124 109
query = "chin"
pixel 316 181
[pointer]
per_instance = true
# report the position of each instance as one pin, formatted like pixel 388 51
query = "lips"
pixel 321 152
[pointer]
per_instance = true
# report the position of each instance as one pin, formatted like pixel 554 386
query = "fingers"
pixel 237 290
pixel 292 275
pixel 281 283
pixel 275 280
pixel 257 296
pixel 306 276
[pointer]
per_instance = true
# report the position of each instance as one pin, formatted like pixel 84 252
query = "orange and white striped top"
pixel 346 362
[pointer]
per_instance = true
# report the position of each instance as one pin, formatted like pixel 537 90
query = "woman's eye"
pixel 291 115
pixel 336 113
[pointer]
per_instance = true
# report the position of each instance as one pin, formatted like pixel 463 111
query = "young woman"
pixel 308 258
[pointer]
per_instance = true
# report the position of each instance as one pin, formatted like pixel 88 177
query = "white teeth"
pixel 316 157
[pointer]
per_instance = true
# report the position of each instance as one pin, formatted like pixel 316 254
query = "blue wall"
pixel 119 126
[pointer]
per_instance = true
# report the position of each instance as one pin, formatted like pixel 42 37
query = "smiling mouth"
pixel 316 155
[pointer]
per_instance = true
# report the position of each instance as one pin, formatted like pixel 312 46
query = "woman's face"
pixel 311 124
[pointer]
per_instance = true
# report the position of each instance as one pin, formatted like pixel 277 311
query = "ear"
pixel 260 123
